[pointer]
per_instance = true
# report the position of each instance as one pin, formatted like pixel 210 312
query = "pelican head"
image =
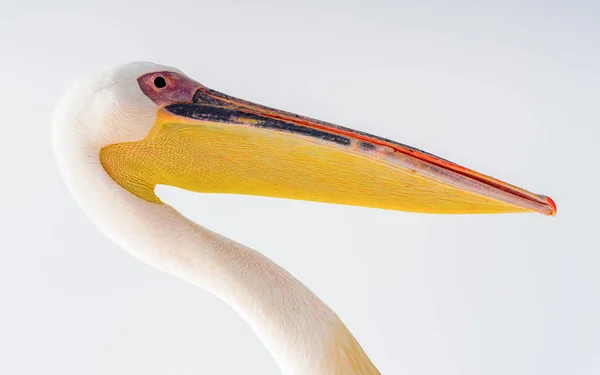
pixel 150 124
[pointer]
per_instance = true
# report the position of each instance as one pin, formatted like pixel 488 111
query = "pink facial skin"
pixel 165 88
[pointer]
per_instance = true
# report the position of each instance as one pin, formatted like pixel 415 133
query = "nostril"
pixel 160 82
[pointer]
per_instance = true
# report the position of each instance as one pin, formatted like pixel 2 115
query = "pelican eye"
pixel 160 82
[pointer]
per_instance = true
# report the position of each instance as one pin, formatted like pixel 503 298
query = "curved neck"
pixel 304 335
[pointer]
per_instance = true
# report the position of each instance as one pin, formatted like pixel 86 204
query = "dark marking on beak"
pixel 201 97
pixel 367 146
pixel 236 116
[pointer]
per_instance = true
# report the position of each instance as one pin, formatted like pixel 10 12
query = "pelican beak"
pixel 215 143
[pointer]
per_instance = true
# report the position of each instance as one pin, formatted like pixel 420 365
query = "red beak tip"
pixel 552 205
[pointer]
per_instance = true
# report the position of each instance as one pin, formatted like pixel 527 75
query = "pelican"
pixel 119 133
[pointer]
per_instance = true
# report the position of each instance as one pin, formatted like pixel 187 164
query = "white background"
pixel 509 89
